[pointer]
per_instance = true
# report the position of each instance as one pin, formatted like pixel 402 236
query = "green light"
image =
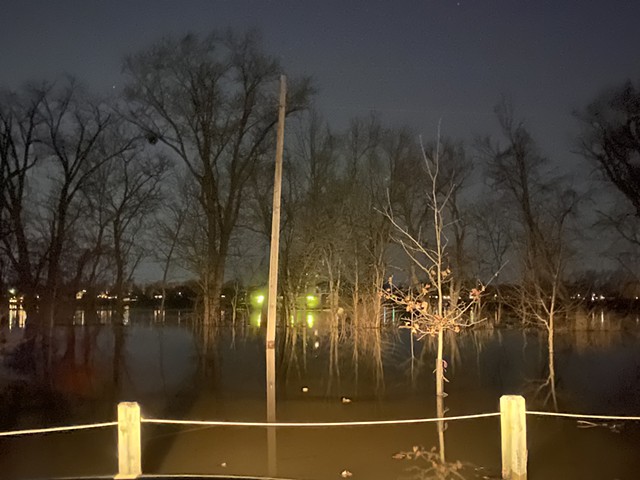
pixel 310 320
pixel 312 301
pixel 257 299
pixel 256 318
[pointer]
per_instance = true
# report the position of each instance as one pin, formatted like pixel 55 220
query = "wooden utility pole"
pixel 275 221
pixel 273 283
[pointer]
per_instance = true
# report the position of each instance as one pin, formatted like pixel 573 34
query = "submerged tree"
pixel 131 195
pixel 20 122
pixel 310 207
pixel 212 102
pixel 54 140
pixel 431 314
pixel 541 207
pixel 80 135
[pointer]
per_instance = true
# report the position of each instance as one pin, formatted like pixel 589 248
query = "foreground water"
pixel 176 371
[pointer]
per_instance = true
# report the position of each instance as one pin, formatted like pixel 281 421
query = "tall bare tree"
pixel 20 121
pixel 542 205
pixel 77 140
pixel 455 168
pixel 611 138
pixel 212 102
pixel 132 196
pixel 430 253
pixel 365 184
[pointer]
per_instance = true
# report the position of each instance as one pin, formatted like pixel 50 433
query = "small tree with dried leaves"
pixel 427 306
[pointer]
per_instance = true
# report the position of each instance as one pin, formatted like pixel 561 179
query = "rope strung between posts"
pixel 57 429
pixel 580 415
pixel 363 423
pixel 201 476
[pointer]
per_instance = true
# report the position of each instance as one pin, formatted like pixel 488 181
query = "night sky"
pixel 414 62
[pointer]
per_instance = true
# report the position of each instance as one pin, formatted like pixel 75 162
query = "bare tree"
pixel 542 205
pixel 212 102
pixel 77 140
pixel 311 173
pixel 430 253
pixel 611 138
pixel 91 239
pixel 492 240
pixel 365 185
pixel 454 172
pixel 169 228
pixel 20 121
pixel 312 220
pixel 132 196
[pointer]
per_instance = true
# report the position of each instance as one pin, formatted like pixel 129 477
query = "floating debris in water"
pixel 345 400
pixel 615 427
pixel 346 474
pixel 305 389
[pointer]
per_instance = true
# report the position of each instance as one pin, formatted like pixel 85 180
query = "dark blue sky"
pixel 413 61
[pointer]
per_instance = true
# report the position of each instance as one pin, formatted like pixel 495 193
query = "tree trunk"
pixel 440 394
pixel 552 369
pixel 440 365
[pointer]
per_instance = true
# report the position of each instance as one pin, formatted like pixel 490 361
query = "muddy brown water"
pixel 177 372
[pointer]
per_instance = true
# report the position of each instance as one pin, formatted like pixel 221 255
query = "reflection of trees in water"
pixel 60 378
pixel 427 465
pixel 433 463
pixel 429 345
pixel 318 333
pixel 366 336
pixel 480 338
pixel 207 335
pixel 293 336
pixel 74 372
pixel 441 467
pixel 334 358
pixel 544 389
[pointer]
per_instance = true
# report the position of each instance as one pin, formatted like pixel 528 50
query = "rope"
pixel 218 476
pixel 363 423
pixel 579 415
pixel 57 429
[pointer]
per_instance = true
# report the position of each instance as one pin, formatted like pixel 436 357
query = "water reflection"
pixel 17 317
pixel 327 371
pixel 255 318
pixel 159 315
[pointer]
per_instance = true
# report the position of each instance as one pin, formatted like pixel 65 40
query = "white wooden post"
pixel 129 443
pixel 513 427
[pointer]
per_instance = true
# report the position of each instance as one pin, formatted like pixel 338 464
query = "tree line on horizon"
pixel 179 168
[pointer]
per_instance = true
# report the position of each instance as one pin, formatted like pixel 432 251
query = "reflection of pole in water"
pixel 271 411
pixel 413 352
pixel 441 427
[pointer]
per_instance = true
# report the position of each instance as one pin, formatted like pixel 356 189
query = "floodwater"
pixel 176 371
